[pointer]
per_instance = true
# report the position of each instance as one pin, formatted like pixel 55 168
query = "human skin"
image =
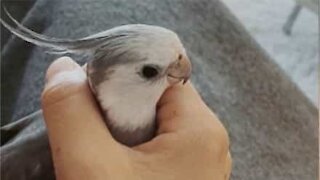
pixel 191 142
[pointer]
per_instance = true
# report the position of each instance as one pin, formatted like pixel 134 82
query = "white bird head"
pixel 131 71
pixel 141 54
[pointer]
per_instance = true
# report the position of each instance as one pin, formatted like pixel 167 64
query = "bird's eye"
pixel 149 72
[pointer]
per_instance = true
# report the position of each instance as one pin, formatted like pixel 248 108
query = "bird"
pixel 129 67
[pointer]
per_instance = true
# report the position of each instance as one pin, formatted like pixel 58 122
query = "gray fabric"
pixel 25 151
pixel 272 125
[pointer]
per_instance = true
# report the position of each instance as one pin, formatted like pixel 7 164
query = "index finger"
pixel 181 107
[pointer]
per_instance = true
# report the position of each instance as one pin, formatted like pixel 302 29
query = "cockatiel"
pixel 128 69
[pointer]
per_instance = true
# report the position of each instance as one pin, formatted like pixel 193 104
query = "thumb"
pixel 75 125
pixel 181 107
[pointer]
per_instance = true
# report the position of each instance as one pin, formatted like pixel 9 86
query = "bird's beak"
pixel 179 71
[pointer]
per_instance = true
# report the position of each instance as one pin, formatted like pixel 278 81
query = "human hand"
pixel 191 143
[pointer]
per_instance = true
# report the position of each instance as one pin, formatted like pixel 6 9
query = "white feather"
pixel 132 106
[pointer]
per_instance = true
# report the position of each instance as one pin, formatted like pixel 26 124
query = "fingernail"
pixel 64 69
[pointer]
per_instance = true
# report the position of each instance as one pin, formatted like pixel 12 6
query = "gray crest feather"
pixel 55 45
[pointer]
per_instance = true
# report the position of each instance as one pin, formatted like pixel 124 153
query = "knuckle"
pixel 223 137
pixel 229 160
pixel 218 136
